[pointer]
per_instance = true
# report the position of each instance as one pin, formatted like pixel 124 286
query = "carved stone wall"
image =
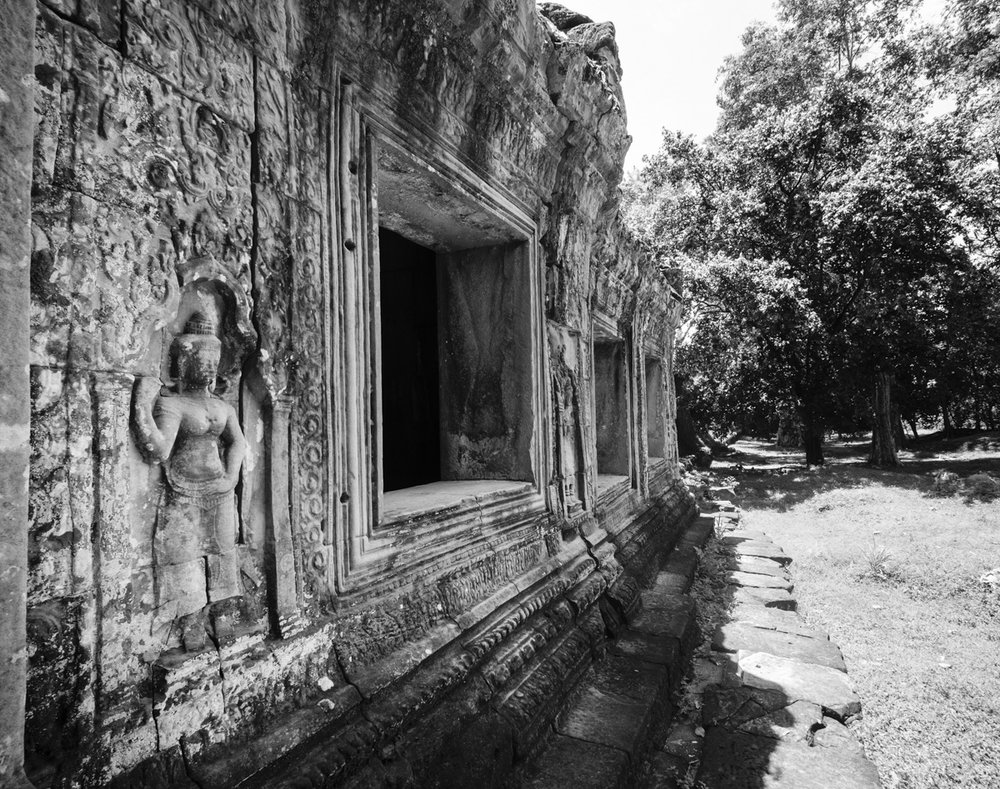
pixel 236 158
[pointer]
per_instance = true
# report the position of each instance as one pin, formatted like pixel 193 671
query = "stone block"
pixel 771 598
pixel 828 687
pixel 680 568
pixel 758 581
pixel 736 636
pixel 744 535
pixel 773 619
pixel 762 550
pixel 667 615
pixel 606 718
pixel 665 771
pixel 572 762
pixel 763 713
pixel 757 566
pixel 660 649
pixel 735 760
pixel 700 532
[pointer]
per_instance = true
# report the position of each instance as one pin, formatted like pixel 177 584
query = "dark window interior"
pixel 612 408
pixel 411 448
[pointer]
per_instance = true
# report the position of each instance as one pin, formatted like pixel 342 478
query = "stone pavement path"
pixel 776 696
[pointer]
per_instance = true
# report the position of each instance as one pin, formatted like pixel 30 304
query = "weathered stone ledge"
pixel 776 699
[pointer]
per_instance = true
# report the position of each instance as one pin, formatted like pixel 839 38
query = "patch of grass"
pixel 895 578
pixel 877 564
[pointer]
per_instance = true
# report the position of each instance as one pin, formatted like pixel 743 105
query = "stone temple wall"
pixel 220 588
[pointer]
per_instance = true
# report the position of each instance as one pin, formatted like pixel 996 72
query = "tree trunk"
pixel 812 434
pixel 883 452
pixel 898 433
pixel 912 422
pixel 789 428
pixel 813 439
pixel 687 436
pixel 946 417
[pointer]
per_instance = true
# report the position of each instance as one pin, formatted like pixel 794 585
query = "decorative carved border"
pixel 342 547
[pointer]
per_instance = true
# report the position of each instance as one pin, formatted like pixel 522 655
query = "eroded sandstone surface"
pixel 351 399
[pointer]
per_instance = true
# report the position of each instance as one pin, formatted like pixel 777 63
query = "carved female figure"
pixel 197 437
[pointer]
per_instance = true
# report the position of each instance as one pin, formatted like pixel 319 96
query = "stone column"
pixel 17 37
pixel 279 548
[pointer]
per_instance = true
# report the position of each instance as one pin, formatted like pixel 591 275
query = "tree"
pixel 824 207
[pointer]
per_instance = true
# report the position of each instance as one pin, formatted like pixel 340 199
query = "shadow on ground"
pixel 775 697
pixel 778 479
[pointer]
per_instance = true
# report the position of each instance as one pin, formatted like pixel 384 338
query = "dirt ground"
pixel 898 578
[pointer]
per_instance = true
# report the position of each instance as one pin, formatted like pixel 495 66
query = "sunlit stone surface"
pixel 396 225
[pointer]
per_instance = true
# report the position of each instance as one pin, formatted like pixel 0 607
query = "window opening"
pixel 411 420
pixel 654 409
pixel 611 412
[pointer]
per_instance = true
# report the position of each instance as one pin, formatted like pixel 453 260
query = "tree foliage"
pixel 833 224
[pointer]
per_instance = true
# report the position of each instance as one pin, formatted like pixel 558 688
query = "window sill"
pixel 611 485
pixel 450 498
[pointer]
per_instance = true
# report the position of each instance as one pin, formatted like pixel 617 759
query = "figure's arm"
pixel 155 431
pixel 235 447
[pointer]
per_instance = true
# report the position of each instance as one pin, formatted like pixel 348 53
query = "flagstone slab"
pixel 736 636
pixel 772 598
pixel 735 760
pixel 764 713
pixel 744 535
pixel 666 615
pixel 761 549
pixel 738 578
pixel 608 719
pixel 773 619
pixel 568 761
pixel 757 565
pixel 828 687
pixel 699 532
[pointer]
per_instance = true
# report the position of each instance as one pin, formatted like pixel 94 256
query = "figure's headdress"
pixel 200 323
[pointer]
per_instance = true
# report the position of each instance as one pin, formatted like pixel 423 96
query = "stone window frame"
pixel 652 359
pixel 365 553
pixel 605 329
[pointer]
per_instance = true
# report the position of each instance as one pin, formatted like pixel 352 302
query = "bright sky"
pixel 671 51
